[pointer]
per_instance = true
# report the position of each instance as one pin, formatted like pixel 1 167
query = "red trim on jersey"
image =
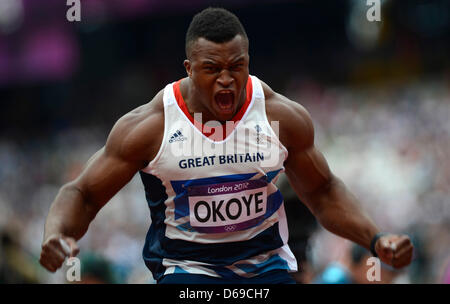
pixel 200 126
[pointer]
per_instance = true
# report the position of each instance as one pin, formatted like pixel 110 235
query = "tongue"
pixel 224 100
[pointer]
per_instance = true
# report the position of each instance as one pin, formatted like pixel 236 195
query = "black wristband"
pixel 374 241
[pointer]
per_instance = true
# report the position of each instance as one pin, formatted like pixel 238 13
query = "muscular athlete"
pixel 213 68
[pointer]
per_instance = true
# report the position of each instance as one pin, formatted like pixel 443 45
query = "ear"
pixel 188 67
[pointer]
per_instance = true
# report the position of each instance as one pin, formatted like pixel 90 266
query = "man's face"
pixel 219 72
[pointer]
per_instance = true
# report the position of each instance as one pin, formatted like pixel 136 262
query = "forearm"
pixel 340 212
pixel 70 214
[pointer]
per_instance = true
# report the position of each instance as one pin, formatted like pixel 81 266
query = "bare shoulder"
pixel 295 123
pixel 137 135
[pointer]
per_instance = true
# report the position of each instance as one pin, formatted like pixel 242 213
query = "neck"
pixel 195 103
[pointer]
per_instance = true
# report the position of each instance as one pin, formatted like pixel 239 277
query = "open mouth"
pixel 225 101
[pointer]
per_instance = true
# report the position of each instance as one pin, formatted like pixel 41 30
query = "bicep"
pixel 306 167
pixel 103 176
pixel 127 150
pixel 307 170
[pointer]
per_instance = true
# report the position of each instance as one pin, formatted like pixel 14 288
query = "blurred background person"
pixel 95 269
pixel 354 269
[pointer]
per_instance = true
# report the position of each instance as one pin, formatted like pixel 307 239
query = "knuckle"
pixel 58 261
pixel 53 241
pixel 48 266
pixel 55 265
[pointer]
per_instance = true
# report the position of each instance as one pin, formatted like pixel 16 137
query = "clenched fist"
pixel 395 250
pixel 55 249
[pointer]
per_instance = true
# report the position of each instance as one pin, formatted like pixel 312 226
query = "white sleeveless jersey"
pixel 214 206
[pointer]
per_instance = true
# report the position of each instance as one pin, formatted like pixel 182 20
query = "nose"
pixel 225 79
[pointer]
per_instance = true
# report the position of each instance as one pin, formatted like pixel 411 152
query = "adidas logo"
pixel 177 136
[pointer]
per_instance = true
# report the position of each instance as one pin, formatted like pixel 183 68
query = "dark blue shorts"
pixel 270 277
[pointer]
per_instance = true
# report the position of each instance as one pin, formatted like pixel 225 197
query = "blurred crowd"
pixel 390 144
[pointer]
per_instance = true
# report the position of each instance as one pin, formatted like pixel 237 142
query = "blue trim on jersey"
pixel 222 254
pixel 272 263
pixel 158 246
pixel 271 175
pixel 178 269
pixel 155 193
pixel 274 202
pixel 275 262
pixel 225 273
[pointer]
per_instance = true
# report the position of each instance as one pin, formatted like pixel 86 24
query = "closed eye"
pixel 211 69
pixel 237 67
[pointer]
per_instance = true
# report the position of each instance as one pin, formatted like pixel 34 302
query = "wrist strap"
pixel 374 241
